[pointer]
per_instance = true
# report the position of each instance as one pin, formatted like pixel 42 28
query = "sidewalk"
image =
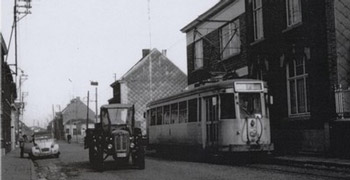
pixel 312 162
pixel 16 168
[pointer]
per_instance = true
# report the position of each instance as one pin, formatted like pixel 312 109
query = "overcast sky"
pixel 65 44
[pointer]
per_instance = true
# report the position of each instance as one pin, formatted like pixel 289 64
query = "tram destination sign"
pixel 248 86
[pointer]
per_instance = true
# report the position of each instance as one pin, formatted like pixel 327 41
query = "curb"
pixel 317 164
pixel 33 175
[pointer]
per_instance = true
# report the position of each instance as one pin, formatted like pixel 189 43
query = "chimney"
pixel 145 52
pixel 164 52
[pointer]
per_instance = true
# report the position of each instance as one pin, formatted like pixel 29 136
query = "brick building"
pixel 151 78
pixel 300 48
pixel 8 96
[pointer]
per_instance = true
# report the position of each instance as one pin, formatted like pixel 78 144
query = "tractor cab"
pixel 117 117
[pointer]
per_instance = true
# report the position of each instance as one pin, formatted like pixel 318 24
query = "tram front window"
pixel 249 104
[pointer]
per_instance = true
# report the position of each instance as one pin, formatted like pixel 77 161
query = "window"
pixel 104 120
pixel 153 117
pixel 166 114
pixel 174 113
pixel 258 19
pixel 249 105
pixel 227 106
pixel 183 112
pixel 67 131
pixel 198 56
pixel 230 39
pixel 118 116
pixel 293 12
pixel 192 110
pixel 297 87
pixel 159 115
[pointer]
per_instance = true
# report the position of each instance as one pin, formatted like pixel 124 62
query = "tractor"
pixel 115 135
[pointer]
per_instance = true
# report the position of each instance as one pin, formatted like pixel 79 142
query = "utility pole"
pixel 87 111
pixel 95 83
pixel 53 120
pixel 22 78
pixel 15 27
pixel 20 7
pixel 96 104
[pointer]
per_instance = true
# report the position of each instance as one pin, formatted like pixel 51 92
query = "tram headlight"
pixel 259 116
pixel 132 145
pixel 110 146
pixel 253 133
pixel 252 123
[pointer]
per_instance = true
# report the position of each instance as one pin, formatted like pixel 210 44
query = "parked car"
pixel 44 145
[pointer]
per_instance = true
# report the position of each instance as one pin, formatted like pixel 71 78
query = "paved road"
pixel 73 164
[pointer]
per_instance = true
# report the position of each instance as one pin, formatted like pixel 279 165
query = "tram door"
pixel 212 119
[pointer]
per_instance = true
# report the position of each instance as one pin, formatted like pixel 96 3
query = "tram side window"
pixel 166 114
pixel 174 113
pixel 153 117
pixel 147 116
pixel 159 115
pixel 183 112
pixel 192 110
pixel 228 106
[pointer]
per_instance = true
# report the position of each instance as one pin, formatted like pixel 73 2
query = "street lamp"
pixel 95 83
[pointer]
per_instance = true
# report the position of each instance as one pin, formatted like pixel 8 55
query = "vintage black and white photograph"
pixel 175 89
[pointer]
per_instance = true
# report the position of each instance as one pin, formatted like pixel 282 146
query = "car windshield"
pixel 42 136
pixel 118 116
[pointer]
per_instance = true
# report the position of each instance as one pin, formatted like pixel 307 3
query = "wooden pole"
pixel 87 111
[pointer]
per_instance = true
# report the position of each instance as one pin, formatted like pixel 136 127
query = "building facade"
pixel 74 117
pixel 56 126
pixel 300 48
pixel 151 78
pixel 8 96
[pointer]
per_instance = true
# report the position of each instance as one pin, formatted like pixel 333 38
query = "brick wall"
pixel 8 97
pixel 279 46
pixel 342 29
pixel 166 79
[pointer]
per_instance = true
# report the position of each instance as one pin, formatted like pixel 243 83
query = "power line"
pixel 9 43
pixel 177 41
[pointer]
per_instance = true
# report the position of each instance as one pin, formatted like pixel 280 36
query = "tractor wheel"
pixel 99 158
pixel 92 154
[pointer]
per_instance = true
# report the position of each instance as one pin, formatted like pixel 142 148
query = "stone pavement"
pixel 15 168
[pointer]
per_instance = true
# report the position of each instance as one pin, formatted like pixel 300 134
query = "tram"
pixel 221 116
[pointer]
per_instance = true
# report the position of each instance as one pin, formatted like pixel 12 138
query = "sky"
pixel 65 44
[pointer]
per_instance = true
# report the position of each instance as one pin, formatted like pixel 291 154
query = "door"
pixel 212 120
